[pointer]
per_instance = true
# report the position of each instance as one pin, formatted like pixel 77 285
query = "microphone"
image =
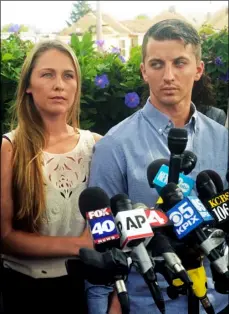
pixel 177 141
pixel 134 228
pixel 160 245
pixel 210 190
pixel 99 268
pixel 227 176
pixel 189 160
pixel 94 205
pixel 188 214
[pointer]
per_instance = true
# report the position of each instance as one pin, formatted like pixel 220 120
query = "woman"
pixel 44 167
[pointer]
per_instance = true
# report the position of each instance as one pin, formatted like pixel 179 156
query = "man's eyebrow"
pixel 160 60
pixel 155 59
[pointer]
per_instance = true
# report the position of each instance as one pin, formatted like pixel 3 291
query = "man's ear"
pixel 199 70
pixel 143 70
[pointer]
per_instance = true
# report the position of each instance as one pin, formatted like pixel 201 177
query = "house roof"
pixel 141 26
pixel 165 15
pixel 109 25
pixel 138 26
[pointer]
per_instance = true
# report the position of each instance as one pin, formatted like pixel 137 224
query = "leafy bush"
pixel 13 53
pixel 215 56
pixel 112 88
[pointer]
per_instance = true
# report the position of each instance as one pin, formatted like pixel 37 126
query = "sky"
pixel 51 16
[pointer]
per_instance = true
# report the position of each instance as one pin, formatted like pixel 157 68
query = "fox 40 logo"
pixel 187 215
pixel 102 225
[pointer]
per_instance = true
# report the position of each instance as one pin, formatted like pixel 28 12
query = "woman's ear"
pixel 28 90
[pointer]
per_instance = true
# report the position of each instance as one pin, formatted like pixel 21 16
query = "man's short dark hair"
pixel 173 29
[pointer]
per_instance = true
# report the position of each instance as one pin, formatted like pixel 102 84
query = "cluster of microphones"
pixel 172 238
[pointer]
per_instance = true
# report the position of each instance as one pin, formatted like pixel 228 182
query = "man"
pixel 171 62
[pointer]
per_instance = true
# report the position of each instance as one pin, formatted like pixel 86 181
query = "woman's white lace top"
pixel 66 176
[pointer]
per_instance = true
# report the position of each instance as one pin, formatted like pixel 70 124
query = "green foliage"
pixel 215 56
pixel 104 107
pixel 80 8
pixel 23 28
pixel 141 17
pixel 13 53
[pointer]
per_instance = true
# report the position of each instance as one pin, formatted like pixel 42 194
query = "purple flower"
pixel 218 61
pixel 122 58
pixel 14 28
pixel 99 43
pixel 132 100
pixel 115 50
pixel 101 81
pixel 224 77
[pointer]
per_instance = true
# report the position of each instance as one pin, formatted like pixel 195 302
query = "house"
pixel 140 27
pixel 115 34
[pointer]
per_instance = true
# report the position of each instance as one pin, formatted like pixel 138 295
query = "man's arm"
pixel 108 171
pixel 108 167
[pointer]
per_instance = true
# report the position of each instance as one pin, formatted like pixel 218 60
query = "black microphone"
pixel 160 245
pixel 227 176
pixel 99 268
pixel 94 205
pixel 209 186
pixel 188 163
pixel 134 228
pixel 177 141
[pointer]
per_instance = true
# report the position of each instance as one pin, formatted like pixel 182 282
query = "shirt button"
pixel 160 131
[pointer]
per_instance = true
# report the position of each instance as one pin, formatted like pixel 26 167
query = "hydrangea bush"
pixel 112 87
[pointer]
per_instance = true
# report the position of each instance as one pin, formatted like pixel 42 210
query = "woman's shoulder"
pixel 95 137
pixel 9 135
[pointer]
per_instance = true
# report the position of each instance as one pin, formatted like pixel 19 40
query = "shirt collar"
pixel 161 121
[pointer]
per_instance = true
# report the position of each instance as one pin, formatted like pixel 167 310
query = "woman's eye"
pixel 69 75
pixel 47 74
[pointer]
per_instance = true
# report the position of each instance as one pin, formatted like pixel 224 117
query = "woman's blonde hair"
pixel 29 141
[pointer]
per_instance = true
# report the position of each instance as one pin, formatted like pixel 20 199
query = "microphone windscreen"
pixel 216 179
pixel 153 169
pixel 177 140
pixel 171 195
pixel 91 199
pixel 117 199
pixel 227 176
pixel 189 161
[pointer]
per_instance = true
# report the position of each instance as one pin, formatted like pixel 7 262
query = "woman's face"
pixel 53 83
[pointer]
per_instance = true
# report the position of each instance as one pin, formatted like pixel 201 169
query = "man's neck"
pixel 179 113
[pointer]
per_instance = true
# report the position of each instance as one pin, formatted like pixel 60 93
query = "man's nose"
pixel 168 74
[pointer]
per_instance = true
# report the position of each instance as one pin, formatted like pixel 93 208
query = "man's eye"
pixel 180 63
pixel 156 65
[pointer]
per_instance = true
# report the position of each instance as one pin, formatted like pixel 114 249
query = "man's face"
pixel 170 69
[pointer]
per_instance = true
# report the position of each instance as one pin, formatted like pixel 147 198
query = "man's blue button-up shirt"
pixel 119 165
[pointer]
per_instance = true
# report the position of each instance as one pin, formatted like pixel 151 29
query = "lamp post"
pixel 98 23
